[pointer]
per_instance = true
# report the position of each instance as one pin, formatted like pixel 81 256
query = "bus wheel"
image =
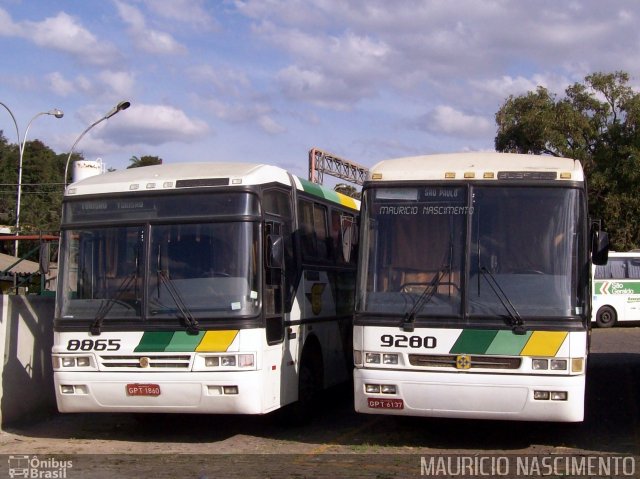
pixel 309 387
pixel 606 317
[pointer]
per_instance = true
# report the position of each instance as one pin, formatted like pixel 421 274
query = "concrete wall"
pixel 26 337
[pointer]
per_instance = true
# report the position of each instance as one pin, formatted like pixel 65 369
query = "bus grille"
pixel 151 362
pixel 477 362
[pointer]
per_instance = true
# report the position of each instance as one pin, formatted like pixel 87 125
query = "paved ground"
pixel 338 442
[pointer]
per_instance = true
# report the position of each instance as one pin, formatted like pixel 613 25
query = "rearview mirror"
pixel 599 247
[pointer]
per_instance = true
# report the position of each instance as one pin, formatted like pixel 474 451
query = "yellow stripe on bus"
pixel 347 201
pixel 544 343
pixel 217 341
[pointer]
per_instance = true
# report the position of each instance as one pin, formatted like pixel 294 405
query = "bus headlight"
pixel 378 358
pixel 558 395
pixel 380 388
pixel 387 389
pixel 71 362
pixel 541 395
pixel 557 364
pixel 372 358
pixel 227 361
pixel 389 359
pixel 68 362
pixel 372 388
pixel 212 361
pixel 540 364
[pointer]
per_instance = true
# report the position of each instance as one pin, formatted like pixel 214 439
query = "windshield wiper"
pixel 426 295
pixel 515 320
pixel 191 323
pixel 106 306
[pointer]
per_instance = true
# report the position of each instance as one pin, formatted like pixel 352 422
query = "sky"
pixel 267 80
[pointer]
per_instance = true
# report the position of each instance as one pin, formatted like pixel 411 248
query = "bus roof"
pixel 176 176
pixel 477 166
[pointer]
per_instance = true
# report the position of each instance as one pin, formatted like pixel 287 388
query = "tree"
pixel 596 122
pixel 42 172
pixel 348 190
pixel 42 185
pixel 144 161
pixel 9 156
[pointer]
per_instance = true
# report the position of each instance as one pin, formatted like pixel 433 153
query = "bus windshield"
pixel 153 272
pixel 424 246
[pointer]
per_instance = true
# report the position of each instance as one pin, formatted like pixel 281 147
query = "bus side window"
pixel 618 268
pixel 603 272
pixel 277 206
pixel 633 268
pixel 314 234
pixel 343 237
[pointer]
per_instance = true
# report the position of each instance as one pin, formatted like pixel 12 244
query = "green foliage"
pixel 9 156
pixel 596 122
pixel 42 185
pixel 144 161
pixel 41 196
pixel 348 190
pixel 41 192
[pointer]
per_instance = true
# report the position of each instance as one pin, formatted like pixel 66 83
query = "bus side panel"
pixel 317 295
pixel 616 285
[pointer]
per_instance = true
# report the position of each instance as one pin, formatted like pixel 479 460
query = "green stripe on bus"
pixel 614 286
pixel 331 195
pixel 473 341
pixel 508 343
pixel 182 342
pixel 313 188
pixel 154 342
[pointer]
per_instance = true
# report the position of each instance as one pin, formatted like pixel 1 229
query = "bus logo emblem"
pixel 463 361
pixel 144 362
pixel 316 298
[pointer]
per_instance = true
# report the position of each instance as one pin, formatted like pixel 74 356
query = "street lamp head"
pixel 123 105
pixel 57 113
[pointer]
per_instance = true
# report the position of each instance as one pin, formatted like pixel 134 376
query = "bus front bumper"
pixel 217 393
pixel 471 396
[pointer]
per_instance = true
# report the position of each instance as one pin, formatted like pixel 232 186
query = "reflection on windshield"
pixel 412 235
pixel 212 267
pixel 102 275
pixel 526 238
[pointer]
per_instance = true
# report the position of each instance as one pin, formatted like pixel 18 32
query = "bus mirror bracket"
pixel 275 251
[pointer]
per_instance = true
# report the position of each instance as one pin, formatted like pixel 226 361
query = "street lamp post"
pixel 56 113
pixel 14 122
pixel 123 105
pixel 21 147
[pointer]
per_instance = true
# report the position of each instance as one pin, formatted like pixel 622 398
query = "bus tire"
pixel 606 317
pixel 310 379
